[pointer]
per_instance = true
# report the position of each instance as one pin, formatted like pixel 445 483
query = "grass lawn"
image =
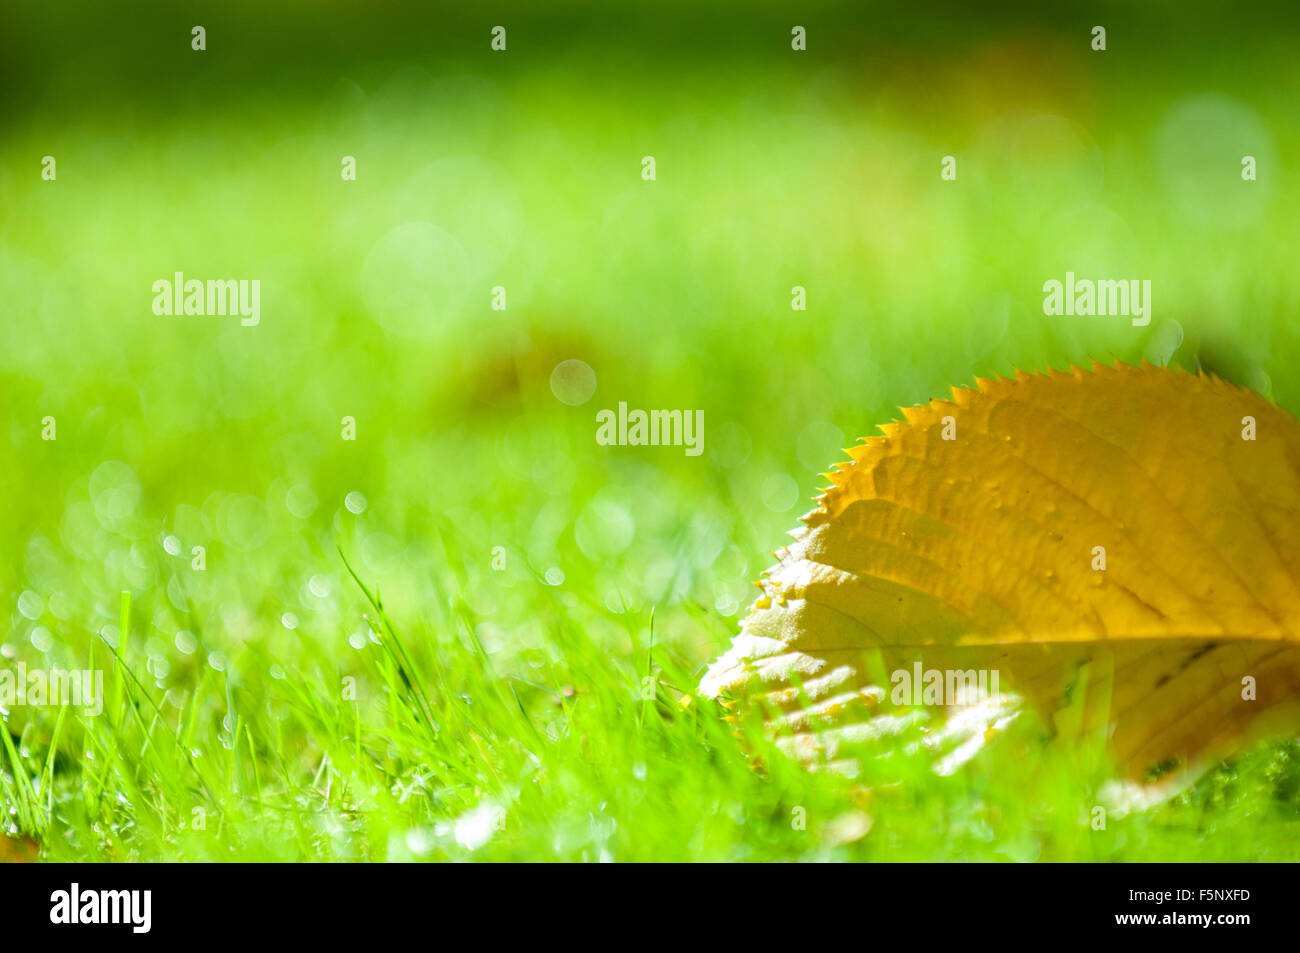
pixel 433 641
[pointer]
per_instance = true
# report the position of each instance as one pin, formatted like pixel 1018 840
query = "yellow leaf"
pixel 18 850
pixel 1120 547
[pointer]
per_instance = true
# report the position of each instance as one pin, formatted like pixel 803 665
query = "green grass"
pixel 445 754
pixel 499 714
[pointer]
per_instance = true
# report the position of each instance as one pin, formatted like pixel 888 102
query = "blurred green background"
pixel 523 169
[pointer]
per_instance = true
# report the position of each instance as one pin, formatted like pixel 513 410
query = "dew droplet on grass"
pixel 573 382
